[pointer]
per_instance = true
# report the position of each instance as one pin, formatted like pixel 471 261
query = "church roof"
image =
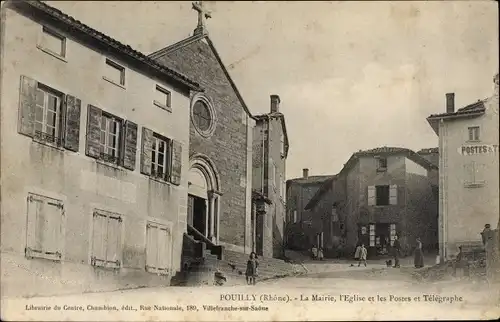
pixel 198 37
pixel 87 34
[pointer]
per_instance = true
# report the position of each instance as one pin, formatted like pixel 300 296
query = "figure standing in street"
pixel 320 254
pixel 252 265
pixel 485 235
pixel 314 252
pixel 418 260
pixel 362 255
pixel 396 248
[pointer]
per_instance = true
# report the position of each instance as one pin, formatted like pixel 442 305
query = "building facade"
pixel 270 150
pixel 469 171
pixel 299 232
pixel 380 193
pixel 94 160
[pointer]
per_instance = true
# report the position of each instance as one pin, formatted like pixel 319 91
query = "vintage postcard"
pixel 249 161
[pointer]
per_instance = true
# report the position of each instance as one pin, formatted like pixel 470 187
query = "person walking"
pixel 320 254
pixel 418 259
pixel 252 265
pixel 362 255
pixel 396 248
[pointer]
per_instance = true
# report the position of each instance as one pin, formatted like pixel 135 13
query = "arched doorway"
pixel 203 197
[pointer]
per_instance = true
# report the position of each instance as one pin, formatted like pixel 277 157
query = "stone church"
pixel 220 151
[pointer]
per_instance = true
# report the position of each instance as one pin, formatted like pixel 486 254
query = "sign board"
pixel 478 149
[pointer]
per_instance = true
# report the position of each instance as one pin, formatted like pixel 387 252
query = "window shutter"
pixel 35 206
pixel 371 196
pixel 113 249
pixel 146 149
pixel 99 239
pixel 27 101
pixel 393 194
pixel 71 114
pixel 162 248
pixel 152 246
pixel 52 216
pixel 94 118
pixel 176 166
pixel 130 145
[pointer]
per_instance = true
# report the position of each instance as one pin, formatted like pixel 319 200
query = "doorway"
pixel 197 213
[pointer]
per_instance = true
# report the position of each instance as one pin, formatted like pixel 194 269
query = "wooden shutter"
pixel 162 249
pixel 176 166
pixel 113 247
pixel 52 216
pixel 371 196
pixel 129 145
pixel 27 102
pixel 71 116
pixel 94 119
pixel 393 194
pixel 35 206
pixel 99 238
pixel 146 149
pixel 151 247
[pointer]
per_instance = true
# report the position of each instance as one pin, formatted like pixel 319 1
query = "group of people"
pixel 317 253
pixel 418 260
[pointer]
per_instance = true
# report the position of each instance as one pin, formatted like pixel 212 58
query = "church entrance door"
pixel 197 213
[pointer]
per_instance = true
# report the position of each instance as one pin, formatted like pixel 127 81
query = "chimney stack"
pixel 305 173
pixel 275 103
pixel 450 102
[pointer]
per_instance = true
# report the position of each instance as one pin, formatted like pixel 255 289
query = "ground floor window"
pixel 158 248
pixel 106 239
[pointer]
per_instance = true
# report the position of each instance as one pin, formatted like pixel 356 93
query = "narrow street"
pixel 341 293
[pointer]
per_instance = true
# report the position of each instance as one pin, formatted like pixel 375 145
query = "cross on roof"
pixel 198 6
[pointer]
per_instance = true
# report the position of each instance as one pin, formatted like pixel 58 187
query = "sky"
pixel 350 75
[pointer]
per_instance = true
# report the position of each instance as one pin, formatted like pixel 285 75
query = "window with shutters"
pixel 110 140
pixel 474 174
pixel 106 239
pixel 160 156
pixel 381 164
pixel 282 145
pixel 52 42
pixel 44 227
pixel 382 195
pixel 114 73
pixel 294 216
pixel 158 248
pixel 163 98
pixel 49 116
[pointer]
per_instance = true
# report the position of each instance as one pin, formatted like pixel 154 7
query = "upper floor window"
pixel 110 137
pixel 474 133
pixel 114 73
pixel 381 164
pixel 47 114
pixel 474 175
pixel 162 98
pixel 161 157
pixel 382 195
pixel 282 145
pixel 53 42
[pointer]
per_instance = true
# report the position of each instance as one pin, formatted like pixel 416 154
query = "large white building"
pixel 468 171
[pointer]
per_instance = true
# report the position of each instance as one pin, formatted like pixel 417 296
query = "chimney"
pixel 305 173
pixel 275 103
pixel 450 102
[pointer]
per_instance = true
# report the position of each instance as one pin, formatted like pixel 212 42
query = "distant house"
pixel 469 171
pixel 299 232
pixel 270 150
pixel 379 193
pixel 94 176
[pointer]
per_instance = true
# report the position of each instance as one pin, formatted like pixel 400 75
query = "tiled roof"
pixel 327 185
pixel 74 27
pixel 311 179
pixel 473 108
pixel 428 151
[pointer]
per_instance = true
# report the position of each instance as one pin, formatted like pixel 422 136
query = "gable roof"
pixel 309 180
pixel 428 151
pixel 280 116
pixel 327 186
pixel 472 110
pixel 198 37
pixel 87 34
pixel 388 151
